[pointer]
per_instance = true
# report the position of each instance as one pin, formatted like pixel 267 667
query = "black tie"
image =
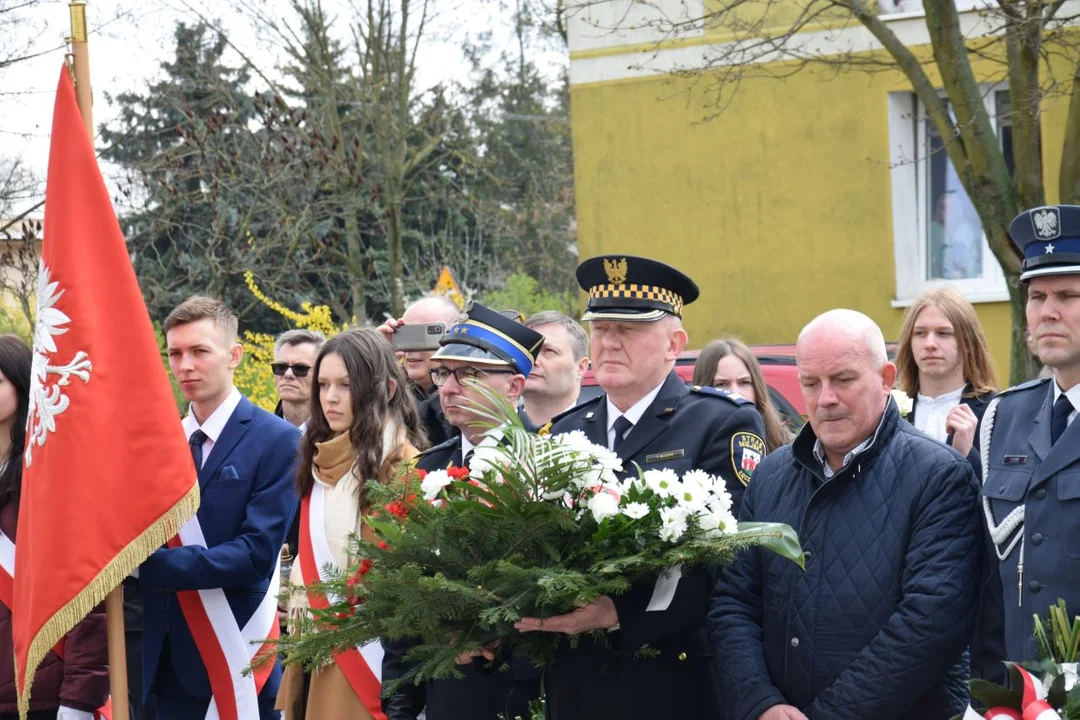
pixel 622 426
pixel 196 442
pixel 468 458
pixel 1059 419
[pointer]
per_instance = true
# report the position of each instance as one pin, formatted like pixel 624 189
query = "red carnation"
pixel 458 473
pixel 398 509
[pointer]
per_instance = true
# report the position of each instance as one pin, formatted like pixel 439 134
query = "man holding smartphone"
pixel 416 357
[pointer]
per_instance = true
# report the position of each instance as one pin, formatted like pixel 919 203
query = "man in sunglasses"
pixel 490 350
pixel 294 356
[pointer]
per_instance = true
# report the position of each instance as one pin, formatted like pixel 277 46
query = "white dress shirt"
pixel 931 414
pixel 214 425
pixel 1074 398
pixel 633 414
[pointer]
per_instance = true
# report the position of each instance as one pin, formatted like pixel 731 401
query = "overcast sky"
pixel 130 38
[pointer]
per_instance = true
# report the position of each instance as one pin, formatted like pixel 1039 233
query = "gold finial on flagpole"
pixel 80 62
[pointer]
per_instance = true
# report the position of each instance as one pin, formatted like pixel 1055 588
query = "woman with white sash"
pixel 73 680
pixel 363 428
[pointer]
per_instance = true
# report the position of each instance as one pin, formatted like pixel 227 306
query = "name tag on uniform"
pixel 666 455
pixel 1015 459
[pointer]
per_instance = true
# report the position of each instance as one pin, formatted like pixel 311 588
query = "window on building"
pixel 937 232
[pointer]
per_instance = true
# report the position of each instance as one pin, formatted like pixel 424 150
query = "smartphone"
pixel 418 337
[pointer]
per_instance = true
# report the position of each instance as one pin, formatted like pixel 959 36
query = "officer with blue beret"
pixel 654 661
pixel 1031 444
pixel 492 349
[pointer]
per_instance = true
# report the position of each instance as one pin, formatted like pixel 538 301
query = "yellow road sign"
pixel 446 285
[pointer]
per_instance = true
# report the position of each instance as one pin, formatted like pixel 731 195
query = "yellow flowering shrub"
pixel 253 377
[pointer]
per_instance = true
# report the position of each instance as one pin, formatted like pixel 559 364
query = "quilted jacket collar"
pixel 803 447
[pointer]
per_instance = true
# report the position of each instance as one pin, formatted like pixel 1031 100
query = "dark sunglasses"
pixel 298 370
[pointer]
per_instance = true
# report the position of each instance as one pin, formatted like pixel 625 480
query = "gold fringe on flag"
pixel 60 624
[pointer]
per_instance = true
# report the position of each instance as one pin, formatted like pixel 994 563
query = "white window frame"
pixel 908 178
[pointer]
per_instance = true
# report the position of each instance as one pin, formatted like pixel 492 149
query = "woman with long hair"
pixel 363 429
pixel 61 689
pixel 728 364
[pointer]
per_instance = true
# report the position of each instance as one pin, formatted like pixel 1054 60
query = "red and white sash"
pixel 224 647
pixel 7 592
pixel 361 666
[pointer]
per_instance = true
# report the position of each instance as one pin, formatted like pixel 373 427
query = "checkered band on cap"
pixel 634 291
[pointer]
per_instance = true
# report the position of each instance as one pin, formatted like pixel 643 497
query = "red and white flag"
pixel 108 476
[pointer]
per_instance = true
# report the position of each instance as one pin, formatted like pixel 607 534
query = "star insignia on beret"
pixel 1050 248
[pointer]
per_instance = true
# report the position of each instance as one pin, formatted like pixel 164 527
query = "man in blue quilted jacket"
pixel 876 625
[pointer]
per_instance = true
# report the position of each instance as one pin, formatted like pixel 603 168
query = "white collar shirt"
pixel 633 414
pixel 490 439
pixel 932 414
pixel 214 425
pixel 1074 398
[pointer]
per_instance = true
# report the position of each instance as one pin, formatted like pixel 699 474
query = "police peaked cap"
pixel 489 337
pixel 1049 239
pixel 637 289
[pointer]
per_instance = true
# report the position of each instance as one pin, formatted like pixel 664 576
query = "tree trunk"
pixel 1023 365
pixel 1070 154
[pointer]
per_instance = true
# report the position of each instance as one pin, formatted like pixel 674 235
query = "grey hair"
pixel 856 326
pixel 299 337
pixel 579 341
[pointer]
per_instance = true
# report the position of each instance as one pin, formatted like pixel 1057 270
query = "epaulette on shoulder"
pixel 579 406
pixel 441 446
pixel 1024 386
pixel 717 392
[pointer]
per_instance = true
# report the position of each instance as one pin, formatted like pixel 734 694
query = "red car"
pixel 777 365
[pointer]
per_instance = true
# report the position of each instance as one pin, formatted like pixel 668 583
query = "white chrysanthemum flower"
pixel 691 495
pixel 716 524
pixel 435 481
pixel 674 521
pixel 721 499
pixel 603 505
pixel 636 510
pixel 662 482
pixel 577 442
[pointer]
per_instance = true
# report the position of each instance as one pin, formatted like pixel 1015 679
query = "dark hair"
pixel 777 434
pixel 371 365
pixel 15 361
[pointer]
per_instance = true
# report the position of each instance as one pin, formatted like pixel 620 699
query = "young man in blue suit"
pixel 229 553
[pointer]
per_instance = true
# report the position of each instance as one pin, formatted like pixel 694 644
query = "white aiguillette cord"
pixel 1013 524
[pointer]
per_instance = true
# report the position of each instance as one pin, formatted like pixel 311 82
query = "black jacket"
pixel 877 624
pixel 684 428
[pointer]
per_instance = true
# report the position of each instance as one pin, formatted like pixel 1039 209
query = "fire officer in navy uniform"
pixel 653 661
pixel 486 348
pixel 1031 444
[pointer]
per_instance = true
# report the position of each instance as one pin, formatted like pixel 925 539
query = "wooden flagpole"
pixel 79 61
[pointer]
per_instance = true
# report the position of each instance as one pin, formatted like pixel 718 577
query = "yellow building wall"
pixel 779 207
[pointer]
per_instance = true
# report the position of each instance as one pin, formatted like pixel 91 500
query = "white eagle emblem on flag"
pixel 47 401
pixel 1046 223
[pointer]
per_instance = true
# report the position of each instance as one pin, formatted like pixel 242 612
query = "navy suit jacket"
pixel 248 501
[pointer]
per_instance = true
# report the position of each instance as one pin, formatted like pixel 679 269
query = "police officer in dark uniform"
pixel 654 661
pixel 1031 442
pixel 492 349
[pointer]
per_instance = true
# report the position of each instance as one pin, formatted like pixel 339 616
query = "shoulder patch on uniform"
pixel 1025 386
pixel 747 451
pixel 717 392
pixel 441 446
